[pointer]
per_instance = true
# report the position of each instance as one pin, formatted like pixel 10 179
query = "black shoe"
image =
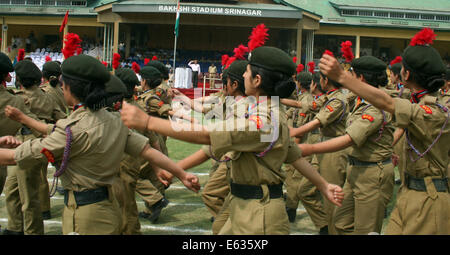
pixel 398 181
pixel 155 210
pixel 7 232
pixel 60 190
pixel 323 231
pixel 212 219
pixel 292 213
pixel 46 215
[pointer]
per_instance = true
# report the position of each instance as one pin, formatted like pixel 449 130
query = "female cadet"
pixel 423 205
pixel 51 71
pixel 370 178
pixel 256 205
pixel 27 199
pixel 331 120
pixel 89 144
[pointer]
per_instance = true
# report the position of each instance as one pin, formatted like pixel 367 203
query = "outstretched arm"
pixel 193 160
pixel 332 192
pixel 332 145
pixel 7 157
pixel 291 102
pixel 135 118
pixel 332 69
pixel 308 127
pixel 162 161
pixel 17 115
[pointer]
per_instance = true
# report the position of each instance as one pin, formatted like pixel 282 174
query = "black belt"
pixel 418 184
pixel 87 197
pixel 255 192
pixel 25 131
pixel 355 162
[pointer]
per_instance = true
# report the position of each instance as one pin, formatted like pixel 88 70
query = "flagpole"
pixel 177 23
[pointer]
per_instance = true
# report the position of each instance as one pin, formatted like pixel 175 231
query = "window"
pixel 442 18
pixel 365 13
pixel 5 2
pixel 427 16
pixel 412 16
pixel 17 1
pixel 397 15
pixel 349 12
pixel 34 2
pixel 382 14
pixel 79 3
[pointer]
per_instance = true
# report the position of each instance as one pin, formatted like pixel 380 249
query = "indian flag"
pixel 177 21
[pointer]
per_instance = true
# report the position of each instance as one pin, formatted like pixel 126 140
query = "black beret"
pixel 423 59
pixel 26 69
pixel 304 78
pixel 127 76
pixel 396 68
pixel 447 74
pixel 237 69
pixel 272 59
pixel 150 73
pixel 115 86
pixel 224 73
pixel 5 63
pixel 85 68
pixel 369 64
pixel 52 67
pixel 161 68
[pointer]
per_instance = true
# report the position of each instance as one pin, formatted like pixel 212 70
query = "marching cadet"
pixel 217 188
pixel 89 146
pixel 51 71
pixel 256 204
pixel 164 91
pixel 370 178
pixel 331 120
pixel 130 168
pixel 26 190
pixel 423 205
pixel 444 98
pixel 299 188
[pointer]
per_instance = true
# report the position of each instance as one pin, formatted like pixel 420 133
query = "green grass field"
pixel 185 215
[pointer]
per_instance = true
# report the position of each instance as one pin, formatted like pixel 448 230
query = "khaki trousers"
pixel 332 167
pixel 44 190
pixel 3 175
pixel 222 216
pixel 263 216
pixel 216 189
pixel 420 212
pixel 101 218
pixel 367 192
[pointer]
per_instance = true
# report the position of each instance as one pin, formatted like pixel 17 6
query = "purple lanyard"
pixel 380 131
pixel 60 169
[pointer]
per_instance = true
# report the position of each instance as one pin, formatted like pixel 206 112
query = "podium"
pixel 183 78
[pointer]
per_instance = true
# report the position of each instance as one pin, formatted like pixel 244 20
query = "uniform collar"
pixel 329 92
pixel 416 97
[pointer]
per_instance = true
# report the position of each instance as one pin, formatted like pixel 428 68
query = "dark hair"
pixel 52 77
pixel 373 78
pixel 130 90
pixel 240 81
pixel 316 80
pixel 3 76
pixel 113 98
pixel 27 82
pixel 304 83
pixel 274 83
pixel 335 84
pixel 432 83
pixel 93 95
pixel 153 83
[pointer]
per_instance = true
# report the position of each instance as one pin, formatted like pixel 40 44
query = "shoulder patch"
pixel 257 121
pixel 49 155
pixel 427 109
pixel 314 105
pixel 367 117
pixel 302 114
pixel 158 93
pixel 160 103
pixel 330 108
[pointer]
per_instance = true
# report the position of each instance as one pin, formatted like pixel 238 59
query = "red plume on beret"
pixel 21 55
pixel 258 37
pixel 327 52
pixel 225 58
pixel 300 68
pixel 154 58
pixel 136 67
pixel 311 65
pixel 424 37
pixel 347 53
pixel 71 44
pixel 294 59
pixel 116 60
pixel 146 60
pixel 105 63
pixel 79 51
pixel 396 60
pixel 230 61
pixel 48 58
pixel 240 51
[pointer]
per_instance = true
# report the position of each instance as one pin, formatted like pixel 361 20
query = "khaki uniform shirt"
pixel 56 94
pixel 162 91
pixel 99 140
pixel 8 126
pixel 304 114
pixel 330 113
pixel 245 140
pixel 153 104
pixel 212 69
pixel 424 122
pixel 41 104
pixel 363 126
